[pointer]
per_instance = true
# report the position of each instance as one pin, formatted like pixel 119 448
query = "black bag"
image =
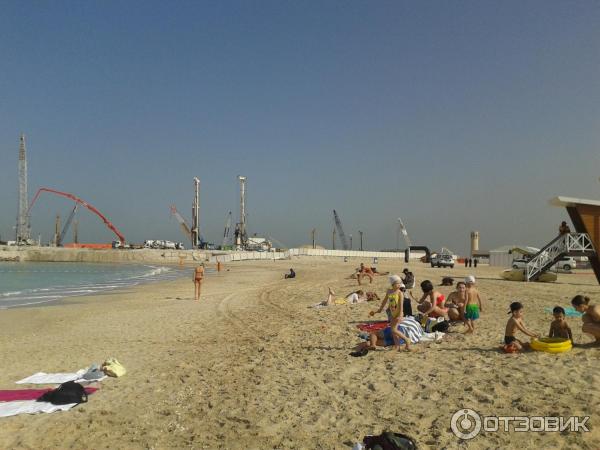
pixel 441 327
pixel 69 392
pixel 389 441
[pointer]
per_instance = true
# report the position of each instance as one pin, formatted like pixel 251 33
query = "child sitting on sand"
pixel 514 324
pixel 473 304
pixel 559 327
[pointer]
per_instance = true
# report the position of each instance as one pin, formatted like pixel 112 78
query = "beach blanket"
pixel 56 378
pixel 30 407
pixel 569 312
pixel 30 394
pixel 372 327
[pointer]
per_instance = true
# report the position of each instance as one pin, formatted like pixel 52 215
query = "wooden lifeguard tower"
pixel 585 216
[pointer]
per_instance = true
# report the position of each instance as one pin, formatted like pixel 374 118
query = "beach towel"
pixel 30 394
pixel 55 378
pixel 30 407
pixel 372 327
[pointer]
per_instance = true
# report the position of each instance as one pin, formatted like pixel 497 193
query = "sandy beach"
pixel 252 366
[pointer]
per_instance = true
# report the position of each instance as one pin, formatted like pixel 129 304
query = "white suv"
pixel 442 261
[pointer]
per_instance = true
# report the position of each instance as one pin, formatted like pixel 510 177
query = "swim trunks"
pixel 509 339
pixel 472 312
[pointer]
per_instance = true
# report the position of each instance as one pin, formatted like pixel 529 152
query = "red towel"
pixel 30 394
pixel 372 327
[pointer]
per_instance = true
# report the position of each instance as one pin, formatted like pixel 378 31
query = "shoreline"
pixel 52 293
pixel 253 366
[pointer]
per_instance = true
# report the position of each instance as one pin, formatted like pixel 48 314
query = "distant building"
pixel 258 244
pixel 503 256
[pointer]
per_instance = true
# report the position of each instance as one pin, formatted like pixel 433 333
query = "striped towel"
pixel 411 328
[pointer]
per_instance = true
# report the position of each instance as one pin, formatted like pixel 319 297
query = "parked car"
pixel 564 263
pixel 442 261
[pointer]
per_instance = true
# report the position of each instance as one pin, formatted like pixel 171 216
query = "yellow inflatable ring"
pixel 551 345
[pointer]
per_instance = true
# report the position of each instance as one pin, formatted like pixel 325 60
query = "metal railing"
pixel 566 244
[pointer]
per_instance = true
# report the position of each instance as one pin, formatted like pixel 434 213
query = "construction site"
pixel 238 244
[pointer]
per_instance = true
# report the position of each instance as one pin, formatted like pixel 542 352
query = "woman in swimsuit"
pixel 431 304
pixel 456 302
pixel 198 277
pixel 591 316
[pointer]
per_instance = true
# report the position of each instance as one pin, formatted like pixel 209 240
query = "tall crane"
pixel 227 231
pixel 182 224
pixel 66 226
pixel 338 225
pixel 402 230
pixel 409 246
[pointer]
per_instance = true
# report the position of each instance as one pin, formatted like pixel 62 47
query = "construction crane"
pixel 338 225
pixel 76 199
pixel 402 230
pixel 63 233
pixel 182 224
pixel 409 246
pixel 227 231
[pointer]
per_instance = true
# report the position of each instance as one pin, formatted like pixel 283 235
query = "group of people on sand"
pixel 464 304
pixel 404 329
pixel 559 328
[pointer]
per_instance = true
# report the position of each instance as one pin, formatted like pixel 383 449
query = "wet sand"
pixel 253 367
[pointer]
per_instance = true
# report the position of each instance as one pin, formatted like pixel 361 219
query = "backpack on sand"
pixel 69 392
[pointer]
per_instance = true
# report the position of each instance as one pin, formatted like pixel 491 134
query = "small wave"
pixel 156 271
pixel 119 279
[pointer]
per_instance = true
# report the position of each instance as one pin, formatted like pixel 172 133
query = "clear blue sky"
pixel 452 115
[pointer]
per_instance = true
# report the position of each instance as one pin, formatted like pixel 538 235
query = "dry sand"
pixel 253 367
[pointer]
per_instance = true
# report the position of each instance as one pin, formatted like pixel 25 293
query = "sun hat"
pixel 470 279
pixel 395 279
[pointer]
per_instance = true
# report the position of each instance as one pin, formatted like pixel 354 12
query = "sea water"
pixel 31 284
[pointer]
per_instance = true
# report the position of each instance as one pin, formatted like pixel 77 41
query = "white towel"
pixel 53 378
pixel 30 407
pixel 432 337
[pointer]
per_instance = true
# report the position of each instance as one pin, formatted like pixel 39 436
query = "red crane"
pixel 107 222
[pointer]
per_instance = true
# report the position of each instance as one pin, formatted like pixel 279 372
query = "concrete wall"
pixel 352 253
pixel 42 254
pixel 151 256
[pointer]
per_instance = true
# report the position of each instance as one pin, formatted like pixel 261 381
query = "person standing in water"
pixel 198 277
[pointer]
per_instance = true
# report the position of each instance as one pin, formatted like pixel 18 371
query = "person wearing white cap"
pixel 473 304
pixel 392 298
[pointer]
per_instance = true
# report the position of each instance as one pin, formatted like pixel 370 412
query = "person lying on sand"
pixel 407 331
pixel 559 328
pixel 376 272
pixel 591 316
pixel 455 303
pixel 514 324
pixel 352 298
